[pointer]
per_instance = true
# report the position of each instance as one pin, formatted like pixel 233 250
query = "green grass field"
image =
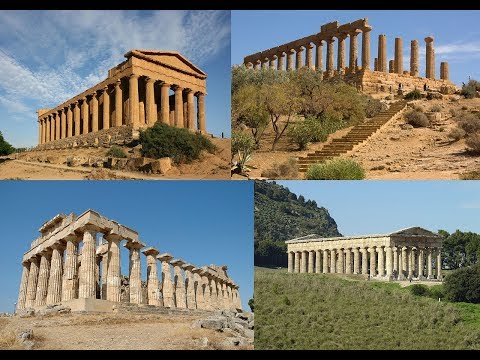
pixel 313 311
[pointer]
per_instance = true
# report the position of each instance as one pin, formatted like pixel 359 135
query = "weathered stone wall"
pixel 120 135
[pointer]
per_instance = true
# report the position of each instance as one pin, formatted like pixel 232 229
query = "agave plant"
pixel 240 165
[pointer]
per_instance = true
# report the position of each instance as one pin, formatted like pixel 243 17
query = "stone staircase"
pixel 357 135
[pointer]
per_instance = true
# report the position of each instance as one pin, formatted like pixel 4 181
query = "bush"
pixel 413 95
pixel 463 285
pixel 286 171
pixel 469 123
pixel 116 152
pixel 243 142
pixel 374 107
pixel 469 90
pixel 453 112
pixel 436 108
pixel 5 147
pixel 302 133
pixel 437 292
pixel 181 145
pixel 418 108
pixel 416 118
pixel 336 169
pixel 456 134
pixel 473 142
pixel 419 290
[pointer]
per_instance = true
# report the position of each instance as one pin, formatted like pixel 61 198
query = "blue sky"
pixel 202 222
pixel 456 33
pixel 379 207
pixel 47 57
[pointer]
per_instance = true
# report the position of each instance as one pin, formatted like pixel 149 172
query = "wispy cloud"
pixel 470 205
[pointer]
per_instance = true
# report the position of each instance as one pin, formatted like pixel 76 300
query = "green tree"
pixel 460 249
pixel 463 285
pixel 5 147
pixel 250 303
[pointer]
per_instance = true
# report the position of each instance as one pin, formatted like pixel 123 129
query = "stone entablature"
pixel 57 269
pixel 136 94
pixel 412 253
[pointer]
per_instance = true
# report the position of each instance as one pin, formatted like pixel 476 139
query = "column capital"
pixel 165 257
pixel 330 40
pixel 118 82
pixel 429 39
pixel 354 32
pixel 133 76
pixel 190 267
pixel 309 46
pixel 177 87
pixel 130 245
pixel 149 79
pixel 319 42
pixel 177 262
pixel 282 54
pixel 341 36
pixel 274 57
pixel 291 51
pixel 150 251
pixel 366 28
pixel 300 48
pixel 113 237
pixel 105 88
pixel 187 90
pixel 164 84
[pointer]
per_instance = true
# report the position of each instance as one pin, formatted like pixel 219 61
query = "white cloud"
pixel 471 205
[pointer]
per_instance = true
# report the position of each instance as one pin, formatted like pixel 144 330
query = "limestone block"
pixel 159 166
pixel 136 163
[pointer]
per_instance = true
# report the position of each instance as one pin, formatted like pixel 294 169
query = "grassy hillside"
pixel 313 311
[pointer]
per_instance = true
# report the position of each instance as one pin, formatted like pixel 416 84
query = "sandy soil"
pixel 394 153
pixel 118 331
pixel 25 167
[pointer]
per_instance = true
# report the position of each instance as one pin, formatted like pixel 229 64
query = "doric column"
pixel 373 261
pixel 391 66
pixel 214 285
pixel 308 57
pixel 375 64
pixel 281 61
pixel 198 288
pixel 179 284
pixel 264 63
pixel 272 62
pixel 106 108
pixel 52 127
pixel 190 109
pixel 153 289
pixel 410 262
pixel 151 114
pixel 32 283
pixel 325 261
pixel 63 124
pixel 94 103
pixel 190 286
pixel 382 53
pixel 135 271
pixel 202 125
pixel 39 131
pixel 290 261
pixel 396 269
pixel 439 264
pixel 256 65
pixel 290 59
pixel 444 73
pixel 319 56
pixel 341 52
pixel 76 118
pixel 333 261
pixel 430 58
pixel 330 56
pixel 22 293
pixel 366 48
pixel 70 272
pixel 353 64
pixel 164 103
pixel 167 284
pixel 414 58
pixel 113 274
pixel 43 275
pixel 421 262
pixel 297 255
pixel 178 106
pixel 69 121
pixel 429 263
pixel 388 261
pixel 398 56
pixel 381 261
pixel 404 270
pixel 318 261
pixel 118 103
pixel 54 294
pixel 364 252
pixel 340 261
pixel 87 285
pixel 356 261
pixel 133 113
pixel 310 261
pixel 207 291
pixel 303 267
pixel 348 261
pixel 44 130
pixel 58 124
pixel 85 116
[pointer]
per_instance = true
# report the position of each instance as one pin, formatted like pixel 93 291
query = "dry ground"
pixel 24 167
pixel 113 331
pixel 393 153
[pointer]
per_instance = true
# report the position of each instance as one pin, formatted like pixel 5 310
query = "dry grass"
pixel 8 337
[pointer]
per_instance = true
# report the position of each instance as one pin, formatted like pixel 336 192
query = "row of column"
pixel 318 64
pixel 83 117
pixel 393 262
pixel 56 275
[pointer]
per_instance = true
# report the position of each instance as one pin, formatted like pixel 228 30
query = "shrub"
pixel 181 145
pixel 463 285
pixel 5 147
pixel 416 118
pixel 302 133
pixel 436 108
pixel 473 142
pixel 413 95
pixel 373 107
pixel 469 90
pixel 336 169
pixel 418 108
pixel 437 292
pixel 116 152
pixel 469 123
pixel 287 170
pixel 453 112
pixel 243 142
pixel 456 134
pixel 419 290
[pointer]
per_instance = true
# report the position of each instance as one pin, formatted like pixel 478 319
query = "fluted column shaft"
pixel 42 283
pixel 54 294
pixel 290 261
pixel 22 293
pixel 106 109
pixel 134 118
pixel 364 252
pixel 444 72
pixel 281 62
pixel 32 283
pixel 381 261
pixel 439 264
pixel 167 286
pixel 366 49
pixel 398 56
pixel 430 58
pixel 113 268
pixel 135 275
pixel 333 261
pixel 410 262
pixel 299 58
pixel 325 261
pixel 164 103
pixel 151 114
pixel 414 58
pixel 353 51
pixel 308 57
pixel 58 124
pixel 153 285
pixel 310 261
pixel 429 263
pixel 356 261
pixel 382 53
pixel 202 125
pixel 191 303
pixel 341 53
pixel 421 262
pixel 70 272
pixel 76 118
pixel 396 269
pixel 290 59
pixel 52 127
pixel 318 261
pixel 180 295
pixel 69 127
pixel 303 267
pixel 85 116
pixel 404 261
pixel 297 262
pixel 319 56
pixel 94 103
pixel 190 110
pixel 388 261
pixel 178 107
pixel 330 56
pixel 63 119
pixel 373 262
pixel 118 103
pixel 197 283
pixel 348 261
pixel 87 285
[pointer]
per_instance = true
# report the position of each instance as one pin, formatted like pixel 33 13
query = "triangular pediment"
pixel 414 231
pixel 170 59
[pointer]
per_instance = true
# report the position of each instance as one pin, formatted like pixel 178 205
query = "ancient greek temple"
pixel 76 262
pixel 308 52
pixel 412 253
pixel 149 86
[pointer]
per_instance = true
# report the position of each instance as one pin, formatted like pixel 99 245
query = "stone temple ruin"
pixel 381 79
pixel 67 265
pixel 412 253
pixel 135 95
